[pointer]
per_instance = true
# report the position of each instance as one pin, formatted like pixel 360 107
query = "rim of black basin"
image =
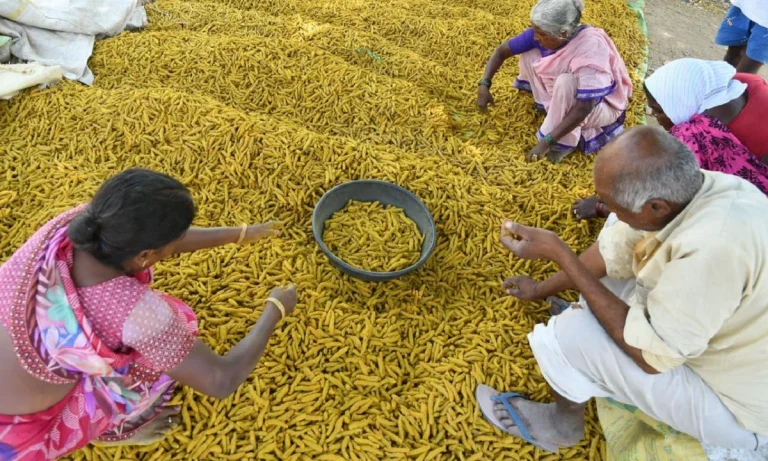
pixel 386 193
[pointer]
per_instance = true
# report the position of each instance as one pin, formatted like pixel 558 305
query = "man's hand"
pixel 532 243
pixel 523 287
pixel 537 152
pixel 484 98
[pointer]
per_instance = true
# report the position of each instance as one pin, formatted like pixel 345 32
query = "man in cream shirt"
pixel 678 325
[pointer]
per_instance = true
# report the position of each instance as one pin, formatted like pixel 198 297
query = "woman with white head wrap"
pixel 686 87
pixel 714 114
pixel 576 76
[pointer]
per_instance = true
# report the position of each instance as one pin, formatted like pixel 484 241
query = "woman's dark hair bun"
pixel 84 231
pixel 133 211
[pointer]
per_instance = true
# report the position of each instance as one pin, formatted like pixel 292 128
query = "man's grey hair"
pixel 672 175
pixel 557 16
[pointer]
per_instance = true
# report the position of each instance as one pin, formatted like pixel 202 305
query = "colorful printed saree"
pixel 115 395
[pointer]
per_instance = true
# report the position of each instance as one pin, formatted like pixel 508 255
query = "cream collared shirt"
pixel 701 292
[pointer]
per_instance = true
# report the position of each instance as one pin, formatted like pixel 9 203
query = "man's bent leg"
pixel 734 55
pixel 579 360
pixel 756 53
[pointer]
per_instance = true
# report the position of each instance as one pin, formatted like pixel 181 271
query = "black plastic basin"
pixel 371 190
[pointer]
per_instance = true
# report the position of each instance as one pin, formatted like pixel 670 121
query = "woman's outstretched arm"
pixel 220 376
pixel 199 238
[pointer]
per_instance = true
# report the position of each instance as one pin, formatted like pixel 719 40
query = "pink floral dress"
pixel 717 149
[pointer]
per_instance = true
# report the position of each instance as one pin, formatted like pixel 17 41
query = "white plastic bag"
pixel 15 77
pixel 87 17
pixel 5 49
pixel 66 49
pixel 62 32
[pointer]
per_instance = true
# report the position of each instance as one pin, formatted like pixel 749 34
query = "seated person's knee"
pixel 580 335
pixel 566 81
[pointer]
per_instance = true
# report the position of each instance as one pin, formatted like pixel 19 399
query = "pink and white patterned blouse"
pixel 127 315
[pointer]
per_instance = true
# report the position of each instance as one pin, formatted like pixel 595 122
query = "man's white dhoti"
pixel 580 361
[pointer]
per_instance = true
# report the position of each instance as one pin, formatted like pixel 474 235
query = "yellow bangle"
pixel 279 305
pixel 243 230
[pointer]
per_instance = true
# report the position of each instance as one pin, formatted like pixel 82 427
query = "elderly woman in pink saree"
pixel 88 351
pixel 576 75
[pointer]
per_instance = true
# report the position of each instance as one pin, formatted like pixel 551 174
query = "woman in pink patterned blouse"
pixel 87 349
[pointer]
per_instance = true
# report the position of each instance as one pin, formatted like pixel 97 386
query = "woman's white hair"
pixel 672 175
pixel 557 16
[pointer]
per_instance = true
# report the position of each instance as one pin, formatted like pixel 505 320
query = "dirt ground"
pixel 678 29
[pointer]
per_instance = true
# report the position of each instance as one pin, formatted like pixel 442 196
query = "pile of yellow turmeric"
pixel 260 107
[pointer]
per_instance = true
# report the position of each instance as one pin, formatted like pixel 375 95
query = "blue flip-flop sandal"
pixel 487 397
pixel 557 305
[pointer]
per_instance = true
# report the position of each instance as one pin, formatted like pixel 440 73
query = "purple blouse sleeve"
pixel 523 42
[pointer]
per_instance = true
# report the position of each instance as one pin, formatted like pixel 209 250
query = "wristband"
pixel 485 82
pixel 549 139
pixel 279 306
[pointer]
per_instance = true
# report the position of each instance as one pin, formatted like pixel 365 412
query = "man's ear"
pixel 659 207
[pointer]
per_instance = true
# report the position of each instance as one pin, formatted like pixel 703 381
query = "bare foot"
pixel 557 154
pixel 549 426
pixel 153 432
pixel 543 422
pixel 588 208
pixel 539 109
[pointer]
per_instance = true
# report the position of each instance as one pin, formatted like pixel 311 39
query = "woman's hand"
pixel 287 296
pixel 531 243
pixel 523 287
pixel 538 152
pixel 484 98
pixel 259 231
